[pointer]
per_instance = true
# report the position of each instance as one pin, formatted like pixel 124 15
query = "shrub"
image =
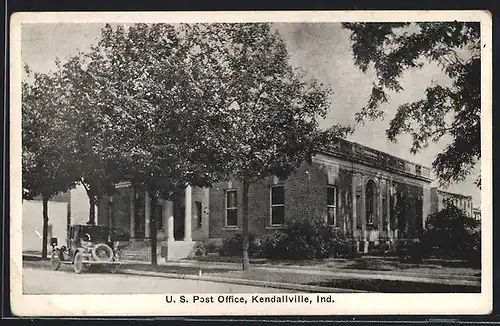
pixel 210 247
pixel 450 233
pixel 234 246
pixel 409 251
pixel 305 239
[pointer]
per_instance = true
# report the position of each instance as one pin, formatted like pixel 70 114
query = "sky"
pixel 322 49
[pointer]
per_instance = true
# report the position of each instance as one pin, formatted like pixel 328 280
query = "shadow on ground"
pixel 386 286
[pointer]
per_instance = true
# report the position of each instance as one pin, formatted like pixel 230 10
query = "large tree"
pixel 273 108
pixel 47 165
pixel 152 95
pixel 391 49
pixel 94 138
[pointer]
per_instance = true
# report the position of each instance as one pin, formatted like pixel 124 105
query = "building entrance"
pixel 179 211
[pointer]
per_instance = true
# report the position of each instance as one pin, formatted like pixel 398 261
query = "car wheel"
pixel 54 260
pixel 78 263
pixel 102 253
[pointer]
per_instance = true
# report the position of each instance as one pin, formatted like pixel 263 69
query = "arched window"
pixel 370 203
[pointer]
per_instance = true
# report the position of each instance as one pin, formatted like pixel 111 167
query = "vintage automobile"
pixel 87 245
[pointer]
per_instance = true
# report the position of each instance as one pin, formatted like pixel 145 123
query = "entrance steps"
pixel 140 250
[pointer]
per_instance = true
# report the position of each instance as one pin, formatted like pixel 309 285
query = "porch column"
pixel 363 216
pixel 354 204
pixel 147 215
pixel 380 219
pixel 206 211
pixel 187 215
pixel 132 211
pixel 388 204
pixel 354 211
pixel 169 207
pixel 363 206
pixel 164 216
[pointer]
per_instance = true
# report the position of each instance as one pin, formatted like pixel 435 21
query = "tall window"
pixel 370 203
pixel 384 213
pixel 358 210
pixel 277 205
pixel 198 212
pixel 331 204
pixel 231 208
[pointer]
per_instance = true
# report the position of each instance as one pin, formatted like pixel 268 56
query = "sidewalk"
pixel 303 278
pixel 423 274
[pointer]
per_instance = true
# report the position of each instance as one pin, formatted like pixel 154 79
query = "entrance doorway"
pixel 179 218
pixel 371 204
pixel 140 216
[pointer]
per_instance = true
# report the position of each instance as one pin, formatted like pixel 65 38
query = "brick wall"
pixel 305 198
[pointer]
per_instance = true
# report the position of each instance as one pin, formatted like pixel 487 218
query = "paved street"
pixel 65 281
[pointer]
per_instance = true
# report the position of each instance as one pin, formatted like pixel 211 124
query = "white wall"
pixel 33 224
pixel 80 206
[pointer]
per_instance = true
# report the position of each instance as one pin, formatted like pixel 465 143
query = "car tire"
pixel 102 247
pixel 55 261
pixel 78 263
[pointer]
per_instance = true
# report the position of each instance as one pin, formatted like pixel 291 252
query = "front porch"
pixel 181 223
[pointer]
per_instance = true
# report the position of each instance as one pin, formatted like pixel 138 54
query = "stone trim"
pixel 372 172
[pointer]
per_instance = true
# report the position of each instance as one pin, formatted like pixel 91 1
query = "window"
pixel 277 205
pixel 198 212
pixel 231 208
pixel 370 202
pixel 331 204
pixel 384 213
pixel 358 210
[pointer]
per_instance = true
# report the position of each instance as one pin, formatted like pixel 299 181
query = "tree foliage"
pixel 450 233
pixel 157 110
pixel 272 108
pixel 165 106
pixel 47 161
pixel 394 48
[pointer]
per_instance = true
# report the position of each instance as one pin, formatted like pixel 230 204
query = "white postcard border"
pixel 345 304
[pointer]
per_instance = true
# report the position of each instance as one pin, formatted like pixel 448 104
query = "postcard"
pixel 255 163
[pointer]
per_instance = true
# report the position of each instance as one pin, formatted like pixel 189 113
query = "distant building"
pixel 70 207
pixel 440 199
pixel 476 212
pixel 58 210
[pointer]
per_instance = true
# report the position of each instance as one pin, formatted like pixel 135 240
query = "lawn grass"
pixel 365 263
pixel 370 285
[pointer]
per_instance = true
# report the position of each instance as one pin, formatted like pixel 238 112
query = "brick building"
pixel 476 213
pixel 371 195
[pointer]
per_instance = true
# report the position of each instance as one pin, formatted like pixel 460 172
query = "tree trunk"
pixel 68 216
pixel 92 203
pixel 152 224
pixel 246 260
pixel 45 228
pixel 91 197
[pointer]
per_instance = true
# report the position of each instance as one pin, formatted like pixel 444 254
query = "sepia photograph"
pixel 257 163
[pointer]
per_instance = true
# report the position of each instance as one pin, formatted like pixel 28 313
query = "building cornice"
pixel 355 153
